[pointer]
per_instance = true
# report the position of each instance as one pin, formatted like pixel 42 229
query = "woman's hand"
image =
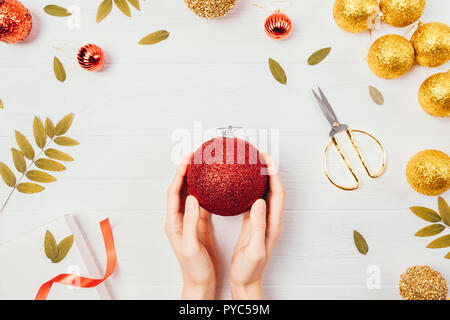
pixel 257 239
pixel 188 228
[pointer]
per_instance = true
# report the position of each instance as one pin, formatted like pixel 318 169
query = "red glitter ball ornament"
pixel 91 57
pixel 278 25
pixel 15 21
pixel 227 175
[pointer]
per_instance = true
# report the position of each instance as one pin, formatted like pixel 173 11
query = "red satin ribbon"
pixel 82 282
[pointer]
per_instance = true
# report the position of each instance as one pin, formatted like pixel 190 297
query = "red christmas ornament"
pixel 227 175
pixel 278 25
pixel 91 57
pixel 15 21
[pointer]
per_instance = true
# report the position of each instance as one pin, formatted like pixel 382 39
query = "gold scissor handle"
pixel 341 152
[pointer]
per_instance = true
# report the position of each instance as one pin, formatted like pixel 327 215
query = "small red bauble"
pixel 91 57
pixel 15 21
pixel 227 175
pixel 278 25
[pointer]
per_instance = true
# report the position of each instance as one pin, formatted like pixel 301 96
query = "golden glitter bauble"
pixel 434 95
pixel 423 283
pixel 428 172
pixel 431 41
pixel 400 13
pixel 354 15
pixel 390 56
pixel 15 21
pixel 210 9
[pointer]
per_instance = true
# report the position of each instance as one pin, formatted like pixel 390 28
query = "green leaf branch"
pixel 440 222
pixel 25 158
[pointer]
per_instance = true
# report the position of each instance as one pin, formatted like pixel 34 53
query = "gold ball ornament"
pixel 210 9
pixel 428 172
pixel 423 283
pixel 354 15
pixel 431 42
pixel 400 13
pixel 434 95
pixel 390 56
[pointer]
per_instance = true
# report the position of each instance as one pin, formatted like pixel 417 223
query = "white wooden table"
pixel 216 72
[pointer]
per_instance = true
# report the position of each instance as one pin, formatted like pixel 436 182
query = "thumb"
pixel 190 220
pixel 258 226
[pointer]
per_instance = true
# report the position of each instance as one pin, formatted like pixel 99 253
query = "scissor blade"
pixel 326 109
pixel 325 101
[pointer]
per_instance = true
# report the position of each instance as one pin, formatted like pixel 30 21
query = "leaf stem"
pixel 23 175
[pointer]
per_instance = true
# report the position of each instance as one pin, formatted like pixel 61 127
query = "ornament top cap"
pixel 228 131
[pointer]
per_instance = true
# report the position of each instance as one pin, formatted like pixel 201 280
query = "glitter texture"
pixel 278 25
pixel 15 21
pixel 422 283
pixel 428 172
pixel 354 15
pixel 91 57
pixel 434 95
pixel 225 175
pixel 400 13
pixel 431 41
pixel 391 56
pixel 210 9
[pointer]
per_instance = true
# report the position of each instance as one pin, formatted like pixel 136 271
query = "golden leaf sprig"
pixel 56 252
pixel 25 157
pixel 439 222
pixel 106 6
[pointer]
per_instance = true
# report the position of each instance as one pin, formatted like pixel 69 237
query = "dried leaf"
pixel 442 242
pixel 7 175
pixel 56 11
pixel 376 95
pixel 318 56
pixel 64 125
pixel 63 249
pixel 1 104
pixel 19 160
pixel 360 242
pixel 123 6
pixel 444 210
pixel 29 188
pixel 430 230
pixel 426 214
pixel 66 141
pixel 49 165
pixel 277 71
pixel 24 145
pixel 58 68
pixel 135 3
pixel 39 133
pixel 57 155
pixel 49 128
pixel 50 246
pixel 104 9
pixel 40 176
pixel 155 37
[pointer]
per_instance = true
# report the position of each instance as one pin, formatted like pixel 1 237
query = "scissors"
pixel 337 127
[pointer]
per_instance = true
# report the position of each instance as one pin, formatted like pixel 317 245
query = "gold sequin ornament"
pixel 428 172
pixel 390 56
pixel 422 283
pixel 434 95
pixel 431 41
pixel 400 13
pixel 354 15
pixel 210 9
